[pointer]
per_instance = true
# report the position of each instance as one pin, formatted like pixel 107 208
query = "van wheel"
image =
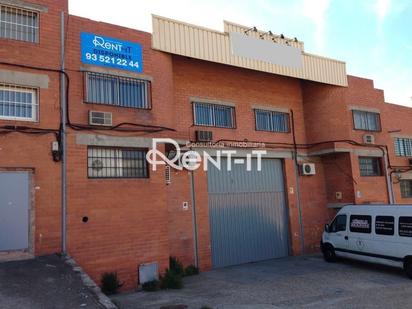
pixel 329 254
pixel 408 268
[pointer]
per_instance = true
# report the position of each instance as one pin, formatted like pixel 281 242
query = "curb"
pixel 101 298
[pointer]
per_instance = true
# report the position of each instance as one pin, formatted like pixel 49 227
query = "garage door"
pixel 14 211
pixel 247 209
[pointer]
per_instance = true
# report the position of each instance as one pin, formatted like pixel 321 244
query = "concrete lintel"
pixel 368 152
pixel 364 108
pixel 95 69
pixel 113 141
pixel 25 5
pixel 329 151
pixel 242 153
pixel 358 152
pixel 24 78
pixel 211 101
pixel 397 135
pixel 406 175
pixel 271 108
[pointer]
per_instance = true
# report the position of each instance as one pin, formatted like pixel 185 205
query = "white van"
pixel 372 233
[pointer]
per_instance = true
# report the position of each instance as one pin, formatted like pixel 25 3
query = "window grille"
pixel 117 90
pixel 406 188
pixel 214 115
pixel 19 24
pixel 403 147
pixel 18 103
pixel 370 166
pixel 271 121
pixel 117 163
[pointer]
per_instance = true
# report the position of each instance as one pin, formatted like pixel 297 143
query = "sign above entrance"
pixel 108 52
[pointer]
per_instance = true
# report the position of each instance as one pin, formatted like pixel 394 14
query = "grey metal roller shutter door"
pixel 14 211
pixel 247 211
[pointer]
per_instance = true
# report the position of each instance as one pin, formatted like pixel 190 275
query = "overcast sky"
pixel 373 37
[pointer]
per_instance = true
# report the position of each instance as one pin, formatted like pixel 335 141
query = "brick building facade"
pixel 120 213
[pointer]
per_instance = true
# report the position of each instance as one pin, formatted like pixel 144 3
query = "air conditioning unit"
pixel 368 139
pixel 307 169
pixel 100 118
pixel 204 136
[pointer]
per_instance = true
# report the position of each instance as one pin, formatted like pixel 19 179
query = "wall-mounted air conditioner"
pixel 307 169
pixel 204 136
pixel 100 118
pixel 368 139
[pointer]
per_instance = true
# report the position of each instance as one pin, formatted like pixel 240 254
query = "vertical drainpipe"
pixel 298 203
pixel 299 206
pixel 194 221
pixel 388 179
pixel 63 135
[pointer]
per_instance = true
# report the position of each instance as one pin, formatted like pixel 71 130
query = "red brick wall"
pixel 397 120
pixel 156 65
pixel 180 227
pixel 246 88
pixel 129 219
pixel 338 177
pixel 33 152
pixel 142 220
pixel 328 116
pixel 324 108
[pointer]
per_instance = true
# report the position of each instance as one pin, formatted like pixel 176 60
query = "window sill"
pixel 20 41
pixel 211 127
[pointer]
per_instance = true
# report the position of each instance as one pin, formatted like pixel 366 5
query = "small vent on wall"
pixel 204 136
pixel 100 118
pixel 368 139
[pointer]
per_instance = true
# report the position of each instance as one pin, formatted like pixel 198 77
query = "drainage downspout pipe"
pixel 388 179
pixel 63 137
pixel 194 216
pixel 298 199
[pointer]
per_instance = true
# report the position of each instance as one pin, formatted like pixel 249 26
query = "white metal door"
pixel 14 211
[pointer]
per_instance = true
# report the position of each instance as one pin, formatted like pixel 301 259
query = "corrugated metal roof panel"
pixel 184 39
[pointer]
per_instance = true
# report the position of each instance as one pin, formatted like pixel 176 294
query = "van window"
pixel 339 224
pixel 384 225
pixel 405 226
pixel 360 224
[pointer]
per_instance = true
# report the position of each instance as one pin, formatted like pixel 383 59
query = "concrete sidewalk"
pixel 42 283
pixel 293 282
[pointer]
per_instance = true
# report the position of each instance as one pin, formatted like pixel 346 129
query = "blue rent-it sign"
pixel 109 52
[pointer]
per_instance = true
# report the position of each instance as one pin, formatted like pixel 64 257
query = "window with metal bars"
pixel 117 90
pixel 19 24
pixel 271 121
pixel 18 103
pixel 366 121
pixel 403 147
pixel 214 115
pixel 370 166
pixel 406 188
pixel 112 162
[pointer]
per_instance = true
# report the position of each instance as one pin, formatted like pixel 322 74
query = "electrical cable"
pixel 74 126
